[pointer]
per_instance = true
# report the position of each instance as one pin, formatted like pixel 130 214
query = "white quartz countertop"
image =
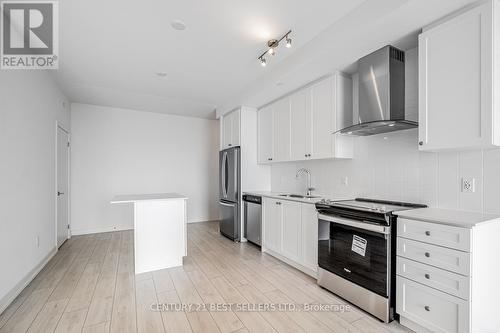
pixel 455 218
pixel 278 195
pixel 147 197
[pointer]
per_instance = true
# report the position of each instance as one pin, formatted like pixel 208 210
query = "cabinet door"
pixel 310 236
pixel 265 133
pixel 235 128
pixel 322 107
pixel 227 134
pixel 292 240
pixel 272 224
pixel 300 120
pixel 455 82
pixel 281 130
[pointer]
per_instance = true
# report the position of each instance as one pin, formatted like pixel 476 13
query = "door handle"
pixel 224 170
pixel 59 193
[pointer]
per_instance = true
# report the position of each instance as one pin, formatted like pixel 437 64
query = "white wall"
pixel 117 151
pixel 30 104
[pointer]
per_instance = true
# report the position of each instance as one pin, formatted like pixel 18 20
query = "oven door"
pixel 356 251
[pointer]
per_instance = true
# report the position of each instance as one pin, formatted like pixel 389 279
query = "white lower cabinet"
pixel 434 310
pixel 310 237
pixel 434 274
pixel 272 225
pixel 290 233
pixel 292 230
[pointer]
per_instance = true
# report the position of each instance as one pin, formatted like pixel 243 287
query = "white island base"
pixel 159 230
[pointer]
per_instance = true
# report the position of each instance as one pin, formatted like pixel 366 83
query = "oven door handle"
pixel 356 224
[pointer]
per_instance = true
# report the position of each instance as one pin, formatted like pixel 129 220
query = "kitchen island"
pixel 159 229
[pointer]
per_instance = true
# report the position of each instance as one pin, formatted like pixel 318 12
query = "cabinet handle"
pixel 269 159
pixel 229 145
pixel 427 276
pixel 427 254
pixel 420 143
pixel 305 155
pixel 427 308
pixel 427 233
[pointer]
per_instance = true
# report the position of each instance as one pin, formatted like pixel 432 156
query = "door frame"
pixel 62 127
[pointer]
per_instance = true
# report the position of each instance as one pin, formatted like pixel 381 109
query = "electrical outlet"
pixel 37 241
pixel 344 181
pixel 468 185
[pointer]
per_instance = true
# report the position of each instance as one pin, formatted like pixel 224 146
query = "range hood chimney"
pixel 381 94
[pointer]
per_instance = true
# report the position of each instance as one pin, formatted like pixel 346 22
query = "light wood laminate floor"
pixel 90 286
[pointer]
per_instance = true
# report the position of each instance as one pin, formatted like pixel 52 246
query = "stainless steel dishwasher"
pixel 253 218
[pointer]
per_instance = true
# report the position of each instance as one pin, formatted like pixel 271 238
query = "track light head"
pixel 272 46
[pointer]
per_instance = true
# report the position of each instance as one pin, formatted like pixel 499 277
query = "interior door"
pixel 62 186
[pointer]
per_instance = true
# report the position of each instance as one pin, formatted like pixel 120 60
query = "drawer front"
pixel 448 282
pixel 437 256
pixel 438 234
pixel 430 308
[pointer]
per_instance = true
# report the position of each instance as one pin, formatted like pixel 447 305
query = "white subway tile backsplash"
pixel 448 184
pixel 491 181
pixel 471 168
pixel 389 166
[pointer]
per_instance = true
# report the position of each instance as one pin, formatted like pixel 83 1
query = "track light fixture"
pixel 272 45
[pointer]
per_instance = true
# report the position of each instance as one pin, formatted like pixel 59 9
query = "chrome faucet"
pixel 308 173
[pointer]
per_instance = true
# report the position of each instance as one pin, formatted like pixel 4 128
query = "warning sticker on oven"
pixel 359 245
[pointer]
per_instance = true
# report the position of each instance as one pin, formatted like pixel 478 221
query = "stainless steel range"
pixel 356 252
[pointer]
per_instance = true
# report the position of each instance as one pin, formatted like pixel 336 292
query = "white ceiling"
pixel 111 50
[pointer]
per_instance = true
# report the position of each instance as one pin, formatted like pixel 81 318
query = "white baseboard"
pixel 76 232
pixel 214 220
pixel 11 295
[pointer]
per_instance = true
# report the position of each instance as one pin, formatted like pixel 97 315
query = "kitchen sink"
pixel 299 196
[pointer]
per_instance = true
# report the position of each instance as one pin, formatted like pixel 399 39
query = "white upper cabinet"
pixel 457 81
pixel 323 114
pixel 235 128
pixel 265 134
pixel 304 123
pixel 230 133
pixel 281 129
pixel 301 130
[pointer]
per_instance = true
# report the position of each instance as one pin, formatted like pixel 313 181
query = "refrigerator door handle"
pixel 223 175
pixel 227 204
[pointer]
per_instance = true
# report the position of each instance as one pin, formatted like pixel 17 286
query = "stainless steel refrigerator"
pixel 229 193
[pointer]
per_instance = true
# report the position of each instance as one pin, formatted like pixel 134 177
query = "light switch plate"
pixel 468 185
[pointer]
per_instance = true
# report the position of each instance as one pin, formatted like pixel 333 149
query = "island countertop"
pixel 147 197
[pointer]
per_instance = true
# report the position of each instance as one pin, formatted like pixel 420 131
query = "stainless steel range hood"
pixel 381 94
